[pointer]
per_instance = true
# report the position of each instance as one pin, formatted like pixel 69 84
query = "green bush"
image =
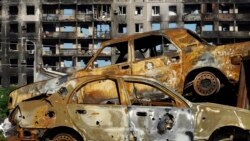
pixel 2 138
pixel 4 96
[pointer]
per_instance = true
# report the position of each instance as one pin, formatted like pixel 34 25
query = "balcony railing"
pixel 59 35
pixel 50 17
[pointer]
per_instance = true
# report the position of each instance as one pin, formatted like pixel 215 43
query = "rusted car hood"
pixel 33 90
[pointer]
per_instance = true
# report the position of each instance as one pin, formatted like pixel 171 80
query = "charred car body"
pixel 176 57
pixel 128 108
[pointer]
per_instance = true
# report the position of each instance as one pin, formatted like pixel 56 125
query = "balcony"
pixel 71 52
pixel 67 18
pixel 243 17
pixel 95 1
pixel 84 17
pixel 225 34
pixel 68 1
pixel 50 17
pixel 192 17
pixel 67 35
pixel 51 1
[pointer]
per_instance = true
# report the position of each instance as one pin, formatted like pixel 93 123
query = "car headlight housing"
pixel 15 116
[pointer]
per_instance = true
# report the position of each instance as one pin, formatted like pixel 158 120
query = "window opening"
pixel 14 27
pixel 155 10
pixel 13 62
pixel 13 45
pixel 122 28
pixel 172 10
pixel 138 10
pixel 14 80
pixel 122 10
pixel 139 27
pixel 86 94
pixel 30 27
pixel 112 54
pixel 13 10
pixel 30 10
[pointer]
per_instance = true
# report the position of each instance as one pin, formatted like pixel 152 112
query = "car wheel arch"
pixel 226 129
pixel 62 129
pixel 193 73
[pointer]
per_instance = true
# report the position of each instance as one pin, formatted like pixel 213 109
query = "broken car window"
pixel 147 95
pixel 97 92
pixel 152 46
pixel 112 54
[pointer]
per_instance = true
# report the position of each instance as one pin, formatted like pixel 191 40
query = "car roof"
pixel 137 35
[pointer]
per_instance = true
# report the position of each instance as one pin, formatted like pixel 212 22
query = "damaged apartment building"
pixel 62 35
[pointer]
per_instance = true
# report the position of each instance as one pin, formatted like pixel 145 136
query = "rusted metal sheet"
pixel 122 115
pixel 244 92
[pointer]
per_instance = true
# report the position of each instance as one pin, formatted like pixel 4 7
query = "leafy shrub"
pixel 4 96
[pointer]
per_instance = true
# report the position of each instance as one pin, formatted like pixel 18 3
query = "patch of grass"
pixel 4 96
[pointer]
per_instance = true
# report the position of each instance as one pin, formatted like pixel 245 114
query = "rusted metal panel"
pixel 244 92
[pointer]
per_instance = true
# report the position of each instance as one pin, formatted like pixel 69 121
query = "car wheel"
pixel 64 137
pixel 206 83
pixel 61 136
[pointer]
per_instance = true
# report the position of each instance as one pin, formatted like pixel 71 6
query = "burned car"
pixel 178 58
pixel 124 108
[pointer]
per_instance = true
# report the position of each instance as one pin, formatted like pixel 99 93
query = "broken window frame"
pixel 122 28
pixel 158 46
pixel 146 98
pixel 122 10
pixel 80 97
pixel 13 46
pixel 13 27
pixel 138 27
pixel 13 62
pixel 30 62
pixel 116 53
pixel 156 10
pixel 13 80
pixel 138 10
pixel 13 10
pixel 30 27
pixel 30 9
pixel 172 8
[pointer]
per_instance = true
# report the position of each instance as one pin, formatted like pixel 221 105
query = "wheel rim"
pixel 206 84
pixel 63 137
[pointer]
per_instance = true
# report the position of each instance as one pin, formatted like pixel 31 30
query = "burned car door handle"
pixel 81 111
pixel 141 114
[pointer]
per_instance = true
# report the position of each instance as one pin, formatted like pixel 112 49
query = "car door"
pixel 155 116
pixel 96 111
pixel 157 57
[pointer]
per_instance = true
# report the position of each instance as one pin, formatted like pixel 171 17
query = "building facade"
pixel 62 35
